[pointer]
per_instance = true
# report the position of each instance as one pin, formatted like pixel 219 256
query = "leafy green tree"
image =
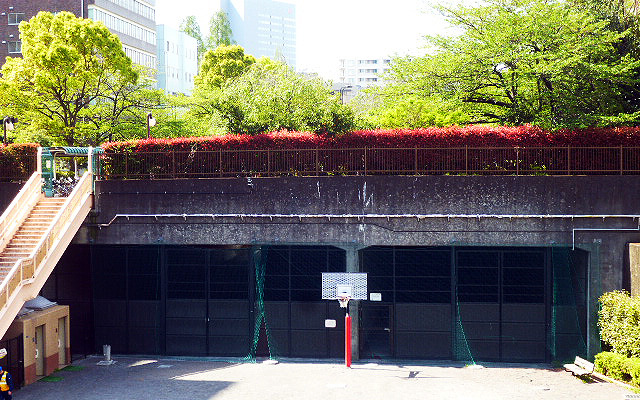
pixel 522 61
pixel 120 112
pixel 70 66
pixel 271 96
pixel 222 64
pixel 220 32
pixel 191 27
pixel 622 16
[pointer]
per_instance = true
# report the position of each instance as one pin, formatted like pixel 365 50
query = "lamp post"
pixel 342 90
pixel 7 123
pixel 150 122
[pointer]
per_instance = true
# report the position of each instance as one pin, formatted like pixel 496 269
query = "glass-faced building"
pixel 265 28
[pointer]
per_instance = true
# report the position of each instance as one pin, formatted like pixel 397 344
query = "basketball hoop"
pixel 344 286
pixel 344 301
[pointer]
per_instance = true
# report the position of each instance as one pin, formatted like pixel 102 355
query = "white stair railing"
pixel 35 269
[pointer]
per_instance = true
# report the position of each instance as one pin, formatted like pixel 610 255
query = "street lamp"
pixel 150 122
pixel 342 91
pixel 7 123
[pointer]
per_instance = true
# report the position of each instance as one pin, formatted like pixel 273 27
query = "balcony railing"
pixel 372 161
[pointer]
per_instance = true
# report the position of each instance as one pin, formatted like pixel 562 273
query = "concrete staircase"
pixel 32 231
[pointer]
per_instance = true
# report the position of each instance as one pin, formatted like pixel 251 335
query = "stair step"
pixel 38 219
pixel 15 243
pixel 15 249
pixel 20 247
pixel 11 256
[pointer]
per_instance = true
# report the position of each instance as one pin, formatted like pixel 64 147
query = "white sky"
pixel 328 30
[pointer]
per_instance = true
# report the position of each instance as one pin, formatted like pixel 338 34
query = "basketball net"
pixel 344 301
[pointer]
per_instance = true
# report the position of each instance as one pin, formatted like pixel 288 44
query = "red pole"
pixel 347 340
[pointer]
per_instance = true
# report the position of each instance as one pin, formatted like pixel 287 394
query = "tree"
pixel 222 64
pixel 120 112
pixel 270 96
pixel 522 61
pixel 622 16
pixel 191 27
pixel 70 66
pixel 220 31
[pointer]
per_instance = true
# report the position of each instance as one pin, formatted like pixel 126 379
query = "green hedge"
pixel 619 367
pixel 619 322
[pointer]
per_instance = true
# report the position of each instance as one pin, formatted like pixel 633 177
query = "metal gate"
pixel 413 317
pixel 295 313
pixel 207 304
pixel 502 303
pixel 498 296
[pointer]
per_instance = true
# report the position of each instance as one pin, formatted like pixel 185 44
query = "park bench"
pixel 580 367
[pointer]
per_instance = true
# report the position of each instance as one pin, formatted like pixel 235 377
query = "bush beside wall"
pixel 619 367
pixel 619 322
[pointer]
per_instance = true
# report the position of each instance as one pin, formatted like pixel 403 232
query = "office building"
pixel 265 28
pixel 132 20
pixel 177 60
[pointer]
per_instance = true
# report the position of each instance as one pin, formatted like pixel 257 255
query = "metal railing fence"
pixel 372 161
pixel 17 167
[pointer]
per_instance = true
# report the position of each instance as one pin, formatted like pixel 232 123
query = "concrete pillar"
pixel 634 266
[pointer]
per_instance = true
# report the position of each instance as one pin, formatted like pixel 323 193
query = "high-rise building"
pixel 265 28
pixel 363 71
pixel 177 60
pixel 132 20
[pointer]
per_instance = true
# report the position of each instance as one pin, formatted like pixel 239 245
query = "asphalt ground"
pixel 197 379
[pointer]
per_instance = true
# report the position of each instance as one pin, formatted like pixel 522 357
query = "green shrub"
pixel 611 364
pixel 619 367
pixel 633 369
pixel 619 322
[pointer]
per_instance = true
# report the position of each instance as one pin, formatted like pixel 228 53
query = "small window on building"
pixel 15 18
pixel 15 47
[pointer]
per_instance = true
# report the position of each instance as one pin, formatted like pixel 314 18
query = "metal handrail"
pixel 25 268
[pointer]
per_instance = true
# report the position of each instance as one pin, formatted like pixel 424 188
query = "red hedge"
pixel 454 136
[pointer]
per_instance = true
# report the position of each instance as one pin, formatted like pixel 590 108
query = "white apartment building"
pixel 363 71
pixel 177 60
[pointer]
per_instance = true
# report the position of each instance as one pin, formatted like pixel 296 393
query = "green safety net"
pixel 261 323
pixel 575 280
pixel 461 349
pixel 566 339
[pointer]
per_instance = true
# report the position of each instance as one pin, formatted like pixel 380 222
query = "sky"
pixel 328 30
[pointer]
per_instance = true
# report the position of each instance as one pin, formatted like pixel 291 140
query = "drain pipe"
pixel 362 217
